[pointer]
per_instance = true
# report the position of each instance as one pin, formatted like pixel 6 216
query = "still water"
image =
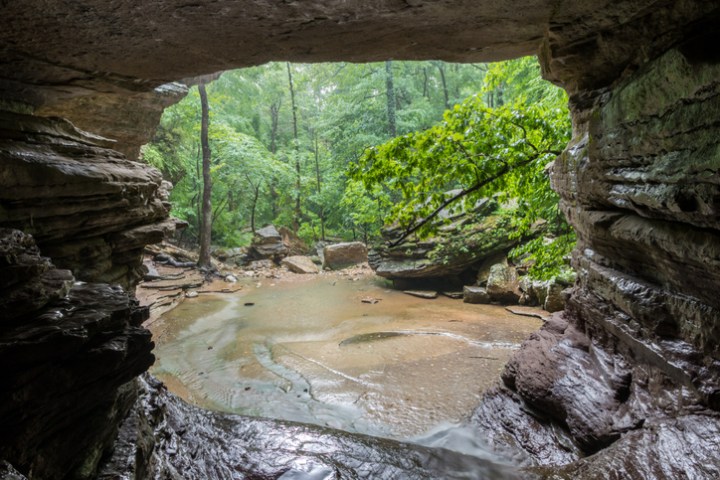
pixel 310 349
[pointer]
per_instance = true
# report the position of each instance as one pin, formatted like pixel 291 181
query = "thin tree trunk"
pixel 425 83
pixel 254 208
pixel 298 211
pixel 392 127
pixel 206 228
pixel 441 69
pixel 274 121
pixel 319 186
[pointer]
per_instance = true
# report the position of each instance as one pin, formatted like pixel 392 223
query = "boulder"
pixel 483 270
pixel 473 294
pixel 341 255
pixel 268 244
pixel 300 264
pixel 503 285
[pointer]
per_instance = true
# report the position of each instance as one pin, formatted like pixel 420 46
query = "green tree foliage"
pixel 497 142
pixel 340 109
pixel 478 151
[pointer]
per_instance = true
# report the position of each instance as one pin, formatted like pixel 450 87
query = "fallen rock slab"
pixel 429 294
pixel 453 295
pixel 300 264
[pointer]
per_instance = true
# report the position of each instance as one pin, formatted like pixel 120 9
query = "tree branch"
pixel 463 193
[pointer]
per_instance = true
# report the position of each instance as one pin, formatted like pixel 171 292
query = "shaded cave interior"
pixel 638 344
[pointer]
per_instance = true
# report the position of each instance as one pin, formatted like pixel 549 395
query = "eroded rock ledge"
pixel 88 208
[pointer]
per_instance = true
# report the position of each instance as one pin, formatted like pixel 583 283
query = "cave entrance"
pixel 296 146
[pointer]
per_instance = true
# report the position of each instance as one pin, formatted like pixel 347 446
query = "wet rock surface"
pixel 625 383
pixel 164 437
pixel 69 353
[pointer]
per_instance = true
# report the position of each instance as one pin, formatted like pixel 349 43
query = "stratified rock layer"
pixel 482 233
pixel 626 383
pixel 88 208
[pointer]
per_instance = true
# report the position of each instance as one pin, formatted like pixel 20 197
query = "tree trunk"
pixel 274 121
pixel 392 127
pixel 256 194
pixel 441 69
pixel 425 83
pixel 298 211
pixel 206 225
pixel 321 213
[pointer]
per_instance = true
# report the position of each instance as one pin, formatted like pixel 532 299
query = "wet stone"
pixel 208 445
pixel 428 294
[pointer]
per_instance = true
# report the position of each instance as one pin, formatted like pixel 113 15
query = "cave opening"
pixel 352 351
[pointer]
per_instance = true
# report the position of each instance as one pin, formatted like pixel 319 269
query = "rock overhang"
pixel 56 51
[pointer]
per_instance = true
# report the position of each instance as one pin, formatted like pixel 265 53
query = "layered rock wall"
pixel 627 380
pixel 89 208
pixel 70 352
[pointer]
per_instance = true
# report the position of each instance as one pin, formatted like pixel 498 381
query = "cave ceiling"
pixel 55 50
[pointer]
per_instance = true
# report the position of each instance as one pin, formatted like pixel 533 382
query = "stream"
pixel 340 351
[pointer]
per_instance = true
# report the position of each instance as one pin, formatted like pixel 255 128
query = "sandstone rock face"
pixel 69 353
pixel 341 255
pixel 130 120
pixel 300 264
pixel 88 208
